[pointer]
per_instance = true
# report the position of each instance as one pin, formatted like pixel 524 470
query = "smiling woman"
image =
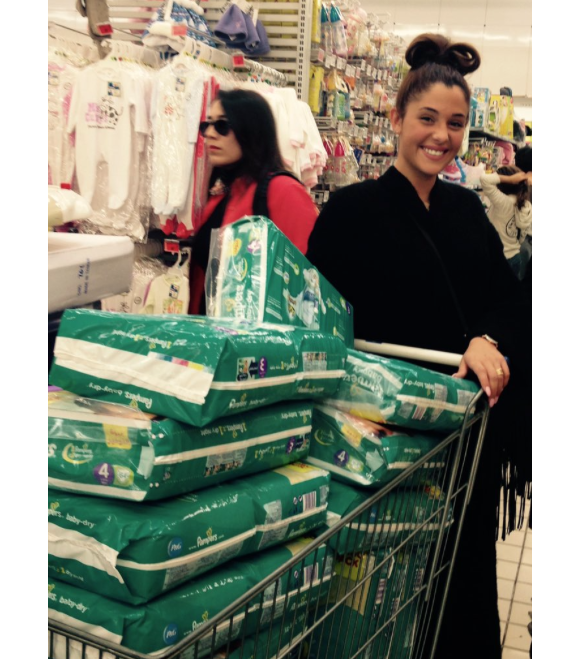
pixel 422 266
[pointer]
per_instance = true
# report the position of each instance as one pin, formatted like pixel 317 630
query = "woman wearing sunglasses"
pixel 241 143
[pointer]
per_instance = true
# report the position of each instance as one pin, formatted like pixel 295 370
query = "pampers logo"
pixel 204 619
pixel 211 537
pixel 242 403
pixel 175 547
pixel 170 634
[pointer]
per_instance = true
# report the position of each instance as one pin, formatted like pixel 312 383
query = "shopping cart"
pixel 372 585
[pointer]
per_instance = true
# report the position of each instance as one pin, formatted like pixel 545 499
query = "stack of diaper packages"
pixel 384 425
pixel 177 476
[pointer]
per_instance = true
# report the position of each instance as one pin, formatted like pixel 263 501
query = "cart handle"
pixel 408 352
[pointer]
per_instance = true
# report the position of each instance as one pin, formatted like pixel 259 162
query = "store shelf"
pixel 475 132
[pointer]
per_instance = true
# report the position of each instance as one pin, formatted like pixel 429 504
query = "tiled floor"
pixel 514 582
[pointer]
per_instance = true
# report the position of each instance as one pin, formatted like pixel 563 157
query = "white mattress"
pixel 84 268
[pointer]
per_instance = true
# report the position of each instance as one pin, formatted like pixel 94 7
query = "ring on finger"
pixel 499 371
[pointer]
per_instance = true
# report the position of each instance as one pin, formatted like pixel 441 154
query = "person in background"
pixel 423 266
pixel 242 146
pixel 510 211
pixel 523 160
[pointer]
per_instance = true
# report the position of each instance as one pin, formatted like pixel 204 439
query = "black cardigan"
pixel 368 244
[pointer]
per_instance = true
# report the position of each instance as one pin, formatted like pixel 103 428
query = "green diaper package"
pixel 389 521
pixel 391 391
pixel 189 368
pixel 110 450
pixel 259 275
pixel 134 552
pixel 269 643
pixel 153 627
pixel 364 453
pixel 372 602
pixel 289 502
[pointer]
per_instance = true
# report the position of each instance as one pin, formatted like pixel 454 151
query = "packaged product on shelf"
pixel 479 114
pixel 387 522
pixel 134 552
pixel 501 115
pixel 153 627
pixel 189 368
pixel 289 502
pixel 65 206
pixel 365 453
pixel 110 450
pixel 391 391
pixel 257 274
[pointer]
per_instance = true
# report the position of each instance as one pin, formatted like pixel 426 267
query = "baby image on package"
pixel 257 274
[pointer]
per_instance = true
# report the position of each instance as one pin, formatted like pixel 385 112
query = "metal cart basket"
pixel 371 586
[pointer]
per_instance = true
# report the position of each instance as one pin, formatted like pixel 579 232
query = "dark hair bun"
pixel 437 49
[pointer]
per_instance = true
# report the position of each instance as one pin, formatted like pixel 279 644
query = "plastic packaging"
pixel 189 368
pixel 256 273
pixel 128 454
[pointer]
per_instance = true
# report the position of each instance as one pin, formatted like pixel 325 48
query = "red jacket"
pixel 291 209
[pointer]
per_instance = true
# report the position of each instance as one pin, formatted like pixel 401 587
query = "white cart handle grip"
pixel 408 352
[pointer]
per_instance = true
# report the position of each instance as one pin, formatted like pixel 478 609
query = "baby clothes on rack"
pixel 145 270
pixel 108 113
pixel 61 155
pixel 133 217
pixel 239 28
pixel 168 293
pixel 172 19
pixel 176 111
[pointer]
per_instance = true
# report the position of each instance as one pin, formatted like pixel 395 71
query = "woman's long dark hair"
pixel 519 189
pixel 253 124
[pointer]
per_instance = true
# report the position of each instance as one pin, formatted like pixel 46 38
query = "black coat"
pixel 368 244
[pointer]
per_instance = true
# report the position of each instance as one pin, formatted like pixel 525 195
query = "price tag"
pixel 330 61
pixel 350 70
pixel 238 60
pixel 104 28
pixel 171 246
pixel 340 63
pixel 357 73
pixel 320 56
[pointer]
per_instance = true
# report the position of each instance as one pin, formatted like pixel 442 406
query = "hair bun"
pixel 437 49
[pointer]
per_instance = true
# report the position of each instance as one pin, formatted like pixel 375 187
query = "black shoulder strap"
pixel 260 204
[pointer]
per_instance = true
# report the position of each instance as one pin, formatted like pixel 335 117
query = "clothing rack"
pixel 119 48
pixel 264 73
pixel 231 62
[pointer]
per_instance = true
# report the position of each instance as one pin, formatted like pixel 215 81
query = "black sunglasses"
pixel 221 126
